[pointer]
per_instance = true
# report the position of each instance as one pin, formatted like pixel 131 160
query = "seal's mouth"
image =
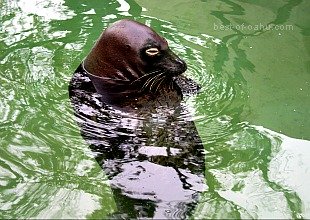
pixel 162 74
pixel 175 74
pixel 152 81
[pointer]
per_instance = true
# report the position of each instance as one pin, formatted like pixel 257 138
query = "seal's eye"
pixel 152 51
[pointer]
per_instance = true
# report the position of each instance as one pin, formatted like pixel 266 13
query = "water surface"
pixel 252 112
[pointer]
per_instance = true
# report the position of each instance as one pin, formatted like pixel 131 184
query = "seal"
pixel 127 96
pixel 129 61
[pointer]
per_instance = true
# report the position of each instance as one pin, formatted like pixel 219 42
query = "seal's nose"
pixel 182 64
pixel 174 64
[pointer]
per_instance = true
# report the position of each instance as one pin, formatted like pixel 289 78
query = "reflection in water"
pixel 153 156
pixel 46 171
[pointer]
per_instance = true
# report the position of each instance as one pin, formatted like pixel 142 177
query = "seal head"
pixel 130 59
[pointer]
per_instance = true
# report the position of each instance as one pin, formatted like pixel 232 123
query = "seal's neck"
pixel 111 87
pixel 121 92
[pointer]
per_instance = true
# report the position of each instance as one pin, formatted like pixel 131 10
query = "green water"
pixel 252 113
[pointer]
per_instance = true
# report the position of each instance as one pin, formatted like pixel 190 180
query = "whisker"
pixel 147 82
pixel 155 71
pixel 156 79
pixel 150 81
pixel 171 85
pixel 146 75
pixel 161 81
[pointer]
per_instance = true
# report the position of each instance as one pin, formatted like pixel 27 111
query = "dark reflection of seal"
pixel 127 96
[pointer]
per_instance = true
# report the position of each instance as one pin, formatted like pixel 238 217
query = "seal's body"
pixel 127 94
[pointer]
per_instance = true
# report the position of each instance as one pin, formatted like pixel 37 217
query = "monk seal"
pixel 130 60
pixel 127 95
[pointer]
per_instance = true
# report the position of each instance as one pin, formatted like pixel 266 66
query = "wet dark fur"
pixel 127 137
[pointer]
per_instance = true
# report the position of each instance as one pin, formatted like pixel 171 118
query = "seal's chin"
pixel 176 76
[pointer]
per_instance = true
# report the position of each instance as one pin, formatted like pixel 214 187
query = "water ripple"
pixel 48 171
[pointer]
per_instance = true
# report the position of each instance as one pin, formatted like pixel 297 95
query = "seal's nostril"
pixel 181 62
